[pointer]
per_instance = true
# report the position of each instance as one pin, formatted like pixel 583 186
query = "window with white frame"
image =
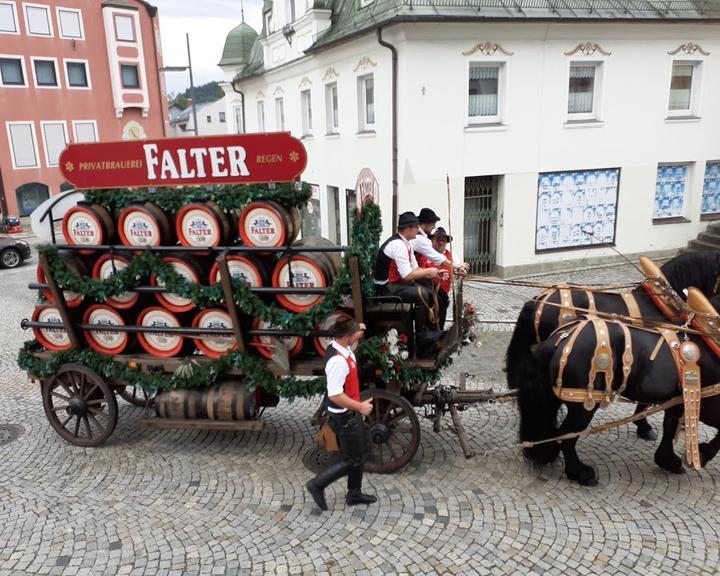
pixel 238 115
pixel 670 190
pixel 70 23
pixel 486 86
pixel 208 119
pixel 45 73
pixel 279 114
pixel 37 19
pixel 332 119
pixel 23 144
pixel 221 117
pixel 684 88
pixel 124 28
pixel 8 18
pixel 584 91
pixel 306 106
pixel 130 76
pixel 85 131
pixel 76 74
pixel 366 103
pixel 55 140
pixel 711 188
pixel 261 115
pixel 11 72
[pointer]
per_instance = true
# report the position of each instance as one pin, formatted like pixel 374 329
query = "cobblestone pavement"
pixel 182 502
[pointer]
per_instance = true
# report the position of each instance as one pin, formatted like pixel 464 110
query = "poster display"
pixel 576 209
pixel 670 190
pixel 711 189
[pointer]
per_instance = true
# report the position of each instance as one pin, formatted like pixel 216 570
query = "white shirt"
pixel 423 245
pixel 336 371
pixel 400 250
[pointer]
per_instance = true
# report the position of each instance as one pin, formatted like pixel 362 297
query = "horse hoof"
pixel 672 464
pixel 647 433
pixel 705 455
pixel 584 475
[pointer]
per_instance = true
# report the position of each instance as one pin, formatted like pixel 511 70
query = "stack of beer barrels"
pixel 200 224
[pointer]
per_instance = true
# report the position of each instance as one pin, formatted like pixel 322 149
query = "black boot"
pixel 354 498
pixel 317 493
pixel 323 479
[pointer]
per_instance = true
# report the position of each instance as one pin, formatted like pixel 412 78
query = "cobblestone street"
pixel 184 502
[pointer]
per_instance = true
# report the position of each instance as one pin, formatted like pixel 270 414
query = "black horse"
pixel 653 379
pixel 698 269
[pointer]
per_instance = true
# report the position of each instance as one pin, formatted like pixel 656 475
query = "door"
pixel 480 235
pixel 30 196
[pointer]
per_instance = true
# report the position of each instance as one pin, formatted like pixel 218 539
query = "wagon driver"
pixel 346 411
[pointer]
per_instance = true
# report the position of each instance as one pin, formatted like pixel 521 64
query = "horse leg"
pixel 665 456
pixel 708 450
pixel 577 420
pixel 644 428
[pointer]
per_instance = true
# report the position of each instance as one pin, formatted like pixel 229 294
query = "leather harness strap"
pixel 601 363
pixel 542 299
pixel 567 311
pixel 633 310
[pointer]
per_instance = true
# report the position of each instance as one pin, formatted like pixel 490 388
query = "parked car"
pixel 13 252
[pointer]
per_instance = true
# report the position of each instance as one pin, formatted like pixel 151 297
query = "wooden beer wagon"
pixel 79 398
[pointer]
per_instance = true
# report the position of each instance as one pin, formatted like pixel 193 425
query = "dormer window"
pixel 268 23
pixel 290 11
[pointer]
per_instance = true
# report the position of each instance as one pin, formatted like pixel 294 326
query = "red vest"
pixel 352 381
pixel 445 282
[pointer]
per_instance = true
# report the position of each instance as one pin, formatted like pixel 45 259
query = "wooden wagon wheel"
pixel 393 429
pixel 80 405
pixel 135 395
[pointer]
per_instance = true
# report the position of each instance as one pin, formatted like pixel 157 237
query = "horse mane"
pixel 698 269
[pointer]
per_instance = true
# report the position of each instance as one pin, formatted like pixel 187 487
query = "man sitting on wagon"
pixel 424 247
pixel 397 274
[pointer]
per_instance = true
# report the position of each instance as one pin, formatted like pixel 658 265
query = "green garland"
pixel 226 197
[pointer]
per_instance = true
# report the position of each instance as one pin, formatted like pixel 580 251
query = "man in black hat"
pixel 346 411
pixel 397 274
pixel 423 245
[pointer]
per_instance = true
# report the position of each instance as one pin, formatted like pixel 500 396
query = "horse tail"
pixel 539 406
pixel 519 352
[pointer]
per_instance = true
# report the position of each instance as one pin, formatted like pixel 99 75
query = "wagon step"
pixel 222 425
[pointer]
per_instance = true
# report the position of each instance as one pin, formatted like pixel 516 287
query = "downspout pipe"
pixel 394 134
pixel 242 96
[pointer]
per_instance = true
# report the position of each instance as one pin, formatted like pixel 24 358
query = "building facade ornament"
pixel 330 73
pixel 588 49
pixel 689 49
pixel 364 63
pixel 488 49
pixel 278 91
pixel 305 82
pixel 260 95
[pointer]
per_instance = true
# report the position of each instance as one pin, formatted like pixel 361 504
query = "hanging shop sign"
pixel 367 188
pixel 232 159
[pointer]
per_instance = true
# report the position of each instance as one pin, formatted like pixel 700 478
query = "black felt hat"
pixel 428 216
pixel 407 219
pixel 440 233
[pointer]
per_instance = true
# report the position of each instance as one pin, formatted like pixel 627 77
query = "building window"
pixel 333 201
pixel 130 76
pixel 311 224
pixel 366 103
pixel 124 28
pixel 486 92
pixel 76 74
pixel 332 119
pixel 350 209
pixel 670 190
pixel 279 114
pixel 8 18
pixel 268 23
pixel 585 79
pixel 238 115
pixel 38 20
pixel 711 188
pixel 70 23
pixel 45 73
pixel 208 119
pixel 11 72
pixel 261 115
pixel 55 139
pixel 290 11
pixel 23 144
pixel 684 89
pixel 85 131
pixel 221 117
pixel 306 104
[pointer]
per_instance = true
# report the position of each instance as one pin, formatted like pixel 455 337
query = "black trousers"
pixel 410 292
pixel 352 441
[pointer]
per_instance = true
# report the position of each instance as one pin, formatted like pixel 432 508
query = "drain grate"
pixel 10 433
pixel 318 458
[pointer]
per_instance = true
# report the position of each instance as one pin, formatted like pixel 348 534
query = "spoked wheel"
pixel 394 432
pixel 80 405
pixel 136 395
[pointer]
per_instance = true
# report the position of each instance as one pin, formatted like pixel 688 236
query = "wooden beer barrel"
pixel 188 270
pixel 309 270
pixel 105 266
pixel 88 225
pixel 322 342
pixel 214 346
pixel 226 401
pixel 159 344
pixel 267 224
pixel 144 225
pixel 264 344
pixel 53 339
pixel 105 342
pixel 203 225
pixel 251 270
pixel 72 299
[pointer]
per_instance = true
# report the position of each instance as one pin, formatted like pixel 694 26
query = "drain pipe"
pixel 394 136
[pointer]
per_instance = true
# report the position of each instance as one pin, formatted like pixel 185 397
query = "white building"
pixel 212 119
pixel 555 122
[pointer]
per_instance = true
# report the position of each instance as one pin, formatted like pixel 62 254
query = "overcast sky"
pixel 208 22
